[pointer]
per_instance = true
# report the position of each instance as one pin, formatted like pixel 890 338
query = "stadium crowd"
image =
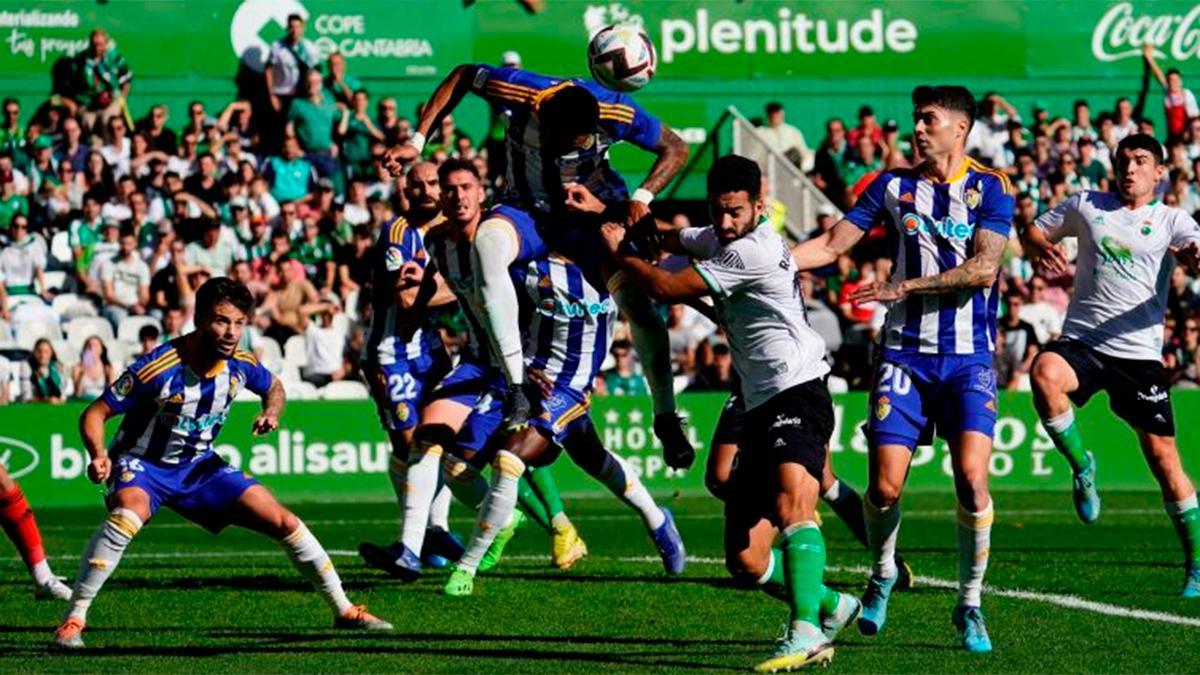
pixel 109 222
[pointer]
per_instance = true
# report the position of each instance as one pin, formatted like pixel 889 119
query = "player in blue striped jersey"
pixel 174 402
pixel 404 357
pixel 948 221
pixel 559 133
pixel 569 328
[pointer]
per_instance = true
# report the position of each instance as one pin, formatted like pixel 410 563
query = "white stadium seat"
pixel 295 352
pixel 60 249
pixel 29 332
pixel 67 353
pixel 299 390
pixel 62 301
pixel 127 330
pixel 269 349
pixel 80 329
pixel 345 390
pixel 55 280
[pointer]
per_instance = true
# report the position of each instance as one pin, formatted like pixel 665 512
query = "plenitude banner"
pixel 335 451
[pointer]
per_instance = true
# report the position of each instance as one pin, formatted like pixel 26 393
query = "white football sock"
pixel 848 506
pixel 307 554
pixel 101 556
pixel 464 481
pixel 424 469
pixel 619 478
pixel 41 573
pixel 493 249
pixel 974 546
pixel 496 510
pixel 439 510
pixel 398 475
pixel 883 527
pixel 650 339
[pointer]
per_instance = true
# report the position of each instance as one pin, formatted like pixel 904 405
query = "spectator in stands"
pixel 1021 344
pixel 291 176
pixel 1179 103
pixel 622 379
pixel 868 126
pixel 72 149
pixel 1081 125
pixel 104 251
pixel 865 164
pixel 1045 318
pixel 340 86
pixel 395 129
pixel 23 263
pixel 288 63
pixel 43 169
pixel 42 377
pixel 117 147
pixel 125 282
pixel 203 184
pixel 94 372
pixel 990 131
pixel 833 153
pixel 156 131
pixel 718 375
pixel 149 338
pixel 104 81
pixel 354 266
pixel 1182 301
pixel 857 313
pixel 183 162
pixel 1124 121
pixel 314 251
pixel 1182 358
pixel 211 252
pixel 324 343
pixel 283 313
pixel 785 138
pixel 173 323
pixel 11 203
pixel 12 134
pixel 358 133
pixel 312 119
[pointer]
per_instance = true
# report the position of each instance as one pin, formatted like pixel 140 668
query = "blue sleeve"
pixel 258 378
pixel 127 390
pixel 996 207
pixel 632 122
pixel 509 87
pixel 869 207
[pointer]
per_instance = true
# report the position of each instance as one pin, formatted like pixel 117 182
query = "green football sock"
pixel 529 503
pixel 775 584
pixel 1185 516
pixel 804 567
pixel 829 600
pixel 546 489
pixel 1064 431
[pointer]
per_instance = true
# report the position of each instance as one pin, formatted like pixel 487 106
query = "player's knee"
pixel 885 493
pixel 1048 375
pixel 972 490
pixel 717 485
pixel 744 566
pixel 283 522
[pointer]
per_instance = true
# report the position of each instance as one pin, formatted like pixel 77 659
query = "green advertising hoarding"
pixel 335 450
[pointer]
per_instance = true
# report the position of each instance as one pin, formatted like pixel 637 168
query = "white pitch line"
pixel 914 514
pixel 1057 599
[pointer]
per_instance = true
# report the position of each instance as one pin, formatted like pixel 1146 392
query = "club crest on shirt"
pixel 986 380
pixel 972 197
pixel 732 260
pixel 124 385
pixel 235 386
pixel 394 259
pixel 883 408
pixel 402 412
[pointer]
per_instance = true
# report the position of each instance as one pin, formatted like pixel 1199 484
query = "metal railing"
pixel 787 184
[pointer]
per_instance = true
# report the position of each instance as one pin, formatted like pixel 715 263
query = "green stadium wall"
pixel 821 59
pixel 335 451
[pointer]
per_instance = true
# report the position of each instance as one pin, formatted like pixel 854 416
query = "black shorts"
pixel 794 426
pixel 1138 391
pixel 729 424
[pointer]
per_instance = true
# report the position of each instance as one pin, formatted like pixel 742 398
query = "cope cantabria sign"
pixel 713 39
pixel 335 451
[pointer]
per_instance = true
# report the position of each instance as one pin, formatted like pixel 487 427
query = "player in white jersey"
pixel 1112 338
pixel 747 270
pixel 174 401
pixel 948 221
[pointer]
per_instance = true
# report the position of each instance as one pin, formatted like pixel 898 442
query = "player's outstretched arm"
pixel 671 153
pixel 827 248
pixel 679 286
pixel 91 430
pixel 444 100
pixel 1047 257
pixel 978 271
pixel 272 403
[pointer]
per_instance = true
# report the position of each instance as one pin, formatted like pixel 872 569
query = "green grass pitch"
pixel 183 600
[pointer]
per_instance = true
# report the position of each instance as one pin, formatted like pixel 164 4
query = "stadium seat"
pixel 345 390
pixel 80 329
pixel 79 309
pixel 60 251
pixel 127 330
pixel 294 351
pixel 29 332
pixel 299 390
pixel 268 349
pixel 68 354
pixel 6 333
pixel 55 280
pixel 288 372
pixel 62 301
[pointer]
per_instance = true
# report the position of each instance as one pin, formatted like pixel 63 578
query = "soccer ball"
pixel 622 57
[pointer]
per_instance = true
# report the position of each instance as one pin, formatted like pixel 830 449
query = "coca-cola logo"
pixel 1121 35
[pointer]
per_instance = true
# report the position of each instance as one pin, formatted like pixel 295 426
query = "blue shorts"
pixel 559 414
pixel 480 388
pixel 400 388
pixel 541 233
pixel 917 393
pixel 204 491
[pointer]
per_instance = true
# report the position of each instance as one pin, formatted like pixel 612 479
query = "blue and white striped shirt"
pixel 931 229
pixel 389 339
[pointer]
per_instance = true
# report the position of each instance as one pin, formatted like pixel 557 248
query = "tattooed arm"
pixel 979 271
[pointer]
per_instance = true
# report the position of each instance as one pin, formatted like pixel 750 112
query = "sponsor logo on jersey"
pixel 785 421
pixel 1154 395
pixel 574 309
pixel 193 424
pixel 1116 255
pixel 946 228
pixel 124 385
pixel 883 408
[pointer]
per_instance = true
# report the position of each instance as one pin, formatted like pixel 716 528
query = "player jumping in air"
pixel 746 268
pixel 559 132
pixel 1112 338
pixel 948 220
pixel 16 517
pixel 174 401
pixel 570 324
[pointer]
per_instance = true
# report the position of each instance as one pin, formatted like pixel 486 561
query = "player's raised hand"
pixel 1189 256
pixel 637 211
pixel 395 158
pixel 876 291
pixel 614 234
pixel 265 424
pixel 411 274
pixel 539 380
pixel 99 470
pixel 579 198
pixel 1050 260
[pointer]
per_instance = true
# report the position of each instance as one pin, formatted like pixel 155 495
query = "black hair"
pixel 223 289
pixel 295 17
pixel 569 112
pixel 1173 71
pixel 10 100
pixel 148 332
pixel 451 165
pixel 621 344
pixel 1140 142
pixel 734 173
pixel 1079 102
pixel 774 107
pixel 948 96
pixel 866 111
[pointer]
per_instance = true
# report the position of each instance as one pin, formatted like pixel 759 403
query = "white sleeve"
pixel 698 242
pixel 738 265
pixel 1184 229
pixel 1062 220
